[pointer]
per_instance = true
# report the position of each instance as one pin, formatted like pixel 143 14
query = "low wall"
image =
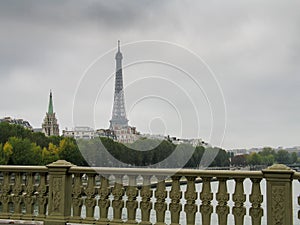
pixel 59 193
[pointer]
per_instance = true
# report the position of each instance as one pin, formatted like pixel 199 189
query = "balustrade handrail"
pixel 143 171
pixel 13 168
pixel 164 172
pixel 60 187
pixel 296 176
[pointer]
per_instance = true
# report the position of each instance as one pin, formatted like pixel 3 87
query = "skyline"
pixel 251 47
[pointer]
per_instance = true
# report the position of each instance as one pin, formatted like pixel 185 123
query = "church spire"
pixel 50 126
pixel 50 107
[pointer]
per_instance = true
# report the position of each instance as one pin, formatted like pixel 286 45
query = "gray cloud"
pixel 252 46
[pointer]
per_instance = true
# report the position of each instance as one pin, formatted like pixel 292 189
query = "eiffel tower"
pixel 119 120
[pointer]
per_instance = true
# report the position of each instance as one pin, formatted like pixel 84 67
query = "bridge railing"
pixel 62 193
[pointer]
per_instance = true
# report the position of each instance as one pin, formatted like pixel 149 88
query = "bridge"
pixel 61 193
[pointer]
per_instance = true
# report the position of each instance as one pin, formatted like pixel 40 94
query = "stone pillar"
pixel 60 193
pixel 279 194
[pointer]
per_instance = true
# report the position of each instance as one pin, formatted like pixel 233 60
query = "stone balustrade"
pixel 62 193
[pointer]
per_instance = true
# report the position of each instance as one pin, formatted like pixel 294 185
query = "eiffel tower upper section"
pixel 119 120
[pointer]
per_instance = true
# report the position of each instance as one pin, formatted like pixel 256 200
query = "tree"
pixel 7 149
pixel 6 152
pixel 40 139
pixel 294 157
pixel 196 158
pixel 268 160
pixel 1 154
pixel 24 152
pixel 222 158
pixel 254 159
pixel 55 140
pixel 50 155
pixel 267 151
pixel 11 130
pixel 239 160
pixel 68 150
pixel 283 156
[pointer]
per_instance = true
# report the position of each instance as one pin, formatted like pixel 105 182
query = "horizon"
pixel 155 134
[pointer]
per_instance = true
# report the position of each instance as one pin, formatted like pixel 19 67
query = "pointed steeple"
pixel 50 107
pixel 50 126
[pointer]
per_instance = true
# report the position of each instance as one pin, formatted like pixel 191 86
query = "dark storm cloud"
pixel 39 28
pixel 111 14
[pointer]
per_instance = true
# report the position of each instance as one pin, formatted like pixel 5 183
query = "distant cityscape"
pixel 119 129
pixel 90 133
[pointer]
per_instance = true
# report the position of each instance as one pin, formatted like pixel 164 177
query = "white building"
pixel 194 141
pixel 126 134
pixel 80 133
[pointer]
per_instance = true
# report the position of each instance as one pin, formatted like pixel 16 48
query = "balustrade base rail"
pixel 59 193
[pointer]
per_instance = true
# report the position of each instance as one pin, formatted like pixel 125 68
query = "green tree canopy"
pixel 24 152
pixel 283 156
pixel 254 159
pixel 68 150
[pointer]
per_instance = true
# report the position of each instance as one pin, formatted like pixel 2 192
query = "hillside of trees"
pixel 19 146
pixel 147 153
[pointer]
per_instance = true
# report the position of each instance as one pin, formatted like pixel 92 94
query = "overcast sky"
pixel 242 60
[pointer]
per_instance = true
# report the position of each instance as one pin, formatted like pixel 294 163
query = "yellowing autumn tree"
pixel 6 152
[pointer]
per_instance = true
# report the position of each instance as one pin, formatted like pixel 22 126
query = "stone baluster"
pixel 60 193
pixel 42 199
pixel 104 202
pixel 256 198
pixel 145 203
pixel 175 196
pixel 279 194
pixel 206 197
pixel 190 196
pixel 222 196
pixel 77 201
pixel 131 203
pixel 90 201
pixel 5 195
pixel 118 202
pixel 29 198
pixel 17 196
pixel 238 210
pixel 160 205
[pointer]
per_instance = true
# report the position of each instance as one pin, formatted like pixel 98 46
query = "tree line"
pixel 20 146
pixel 268 156
pixel 148 153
